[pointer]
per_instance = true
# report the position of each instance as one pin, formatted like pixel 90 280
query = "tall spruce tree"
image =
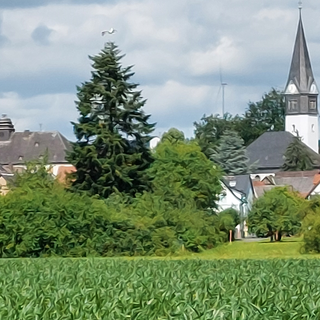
pixel 111 152
pixel 298 157
pixel 231 154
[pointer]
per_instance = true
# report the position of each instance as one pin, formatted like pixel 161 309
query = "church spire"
pixel 300 74
pixel 301 93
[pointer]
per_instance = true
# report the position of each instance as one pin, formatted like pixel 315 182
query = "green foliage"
pixel 228 220
pixel 182 174
pixel 298 157
pixel 231 218
pixel 52 289
pixel 173 135
pixel 38 218
pixel 231 154
pixel 276 212
pixel 167 229
pixel 209 131
pixel 311 225
pixel 111 153
pixel 268 114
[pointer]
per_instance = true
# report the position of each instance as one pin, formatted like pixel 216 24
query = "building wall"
pixel 3 186
pixel 307 127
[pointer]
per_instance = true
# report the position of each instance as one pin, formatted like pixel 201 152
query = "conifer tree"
pixel 111 152
pixel 298 157
pixel 231 154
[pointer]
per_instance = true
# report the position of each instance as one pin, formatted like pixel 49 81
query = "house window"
pixel 293 105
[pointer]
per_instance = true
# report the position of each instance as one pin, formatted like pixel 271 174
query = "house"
pixel 238 193
pixel 17 148
pixel 306 183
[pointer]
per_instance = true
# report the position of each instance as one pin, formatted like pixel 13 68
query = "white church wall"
pixel 307 127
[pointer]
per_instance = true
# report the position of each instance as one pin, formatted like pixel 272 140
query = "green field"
pixel 289 248
pixel 159 289
pixel 210 285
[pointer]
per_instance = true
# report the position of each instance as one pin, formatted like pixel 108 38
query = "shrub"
pixel 311 225
pixel 40 218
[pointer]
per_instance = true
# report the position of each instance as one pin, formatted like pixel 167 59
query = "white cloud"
pixel 177 48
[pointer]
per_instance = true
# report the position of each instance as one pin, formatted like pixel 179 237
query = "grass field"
pixel 289 248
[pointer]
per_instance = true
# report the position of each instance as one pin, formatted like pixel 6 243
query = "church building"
pixel 266 153
pixel 301 94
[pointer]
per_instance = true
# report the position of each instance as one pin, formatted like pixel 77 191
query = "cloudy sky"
pixel 177 47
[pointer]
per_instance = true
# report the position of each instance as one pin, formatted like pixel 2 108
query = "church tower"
pixel 301 94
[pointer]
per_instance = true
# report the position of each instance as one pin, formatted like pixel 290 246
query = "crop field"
pixel 159 289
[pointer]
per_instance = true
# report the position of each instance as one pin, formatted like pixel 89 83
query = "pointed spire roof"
pixel 300 71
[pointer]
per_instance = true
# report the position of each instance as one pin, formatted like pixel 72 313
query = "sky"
pixel 181 50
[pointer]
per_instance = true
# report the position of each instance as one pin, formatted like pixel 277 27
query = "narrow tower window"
pixel 313 104
pixel 293 128
pixel 312 127
pixel 293 104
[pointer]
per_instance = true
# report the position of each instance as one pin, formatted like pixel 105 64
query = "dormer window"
pixel 36 144
pixel 20 158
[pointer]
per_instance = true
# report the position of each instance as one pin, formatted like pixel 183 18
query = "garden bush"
pixel 39 218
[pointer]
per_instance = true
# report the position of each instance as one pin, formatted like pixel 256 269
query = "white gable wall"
pixel 307 127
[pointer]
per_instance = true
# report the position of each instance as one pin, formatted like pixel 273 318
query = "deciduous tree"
pixel 276 212
pixel 181 173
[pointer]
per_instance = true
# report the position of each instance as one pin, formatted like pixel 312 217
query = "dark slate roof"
pixel 269 149
pixel 27 146
pixel 243 183
pixel 300 71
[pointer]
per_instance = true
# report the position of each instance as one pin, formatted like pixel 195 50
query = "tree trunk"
pixel 277 235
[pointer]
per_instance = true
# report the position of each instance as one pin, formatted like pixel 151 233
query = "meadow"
pixel 144 289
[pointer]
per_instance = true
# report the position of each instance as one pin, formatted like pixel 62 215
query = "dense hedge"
pixel 38 217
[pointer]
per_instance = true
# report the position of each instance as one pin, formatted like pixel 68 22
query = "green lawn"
pixel 289 248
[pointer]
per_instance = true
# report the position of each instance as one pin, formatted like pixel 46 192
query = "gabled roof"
pixel 243 183
pixel 27 146
pixel 300 71
pixel 268 151
pixel 300 181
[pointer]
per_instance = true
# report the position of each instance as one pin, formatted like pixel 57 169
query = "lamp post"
pixel 243 201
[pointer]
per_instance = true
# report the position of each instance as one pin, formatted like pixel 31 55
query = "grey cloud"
pixel 11 4
pixel 3 39
pixel 28 85
pixel 41 35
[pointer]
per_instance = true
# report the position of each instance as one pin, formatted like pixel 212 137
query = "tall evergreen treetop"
pixel 111 152
pixel 231 154
pixel 298 157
